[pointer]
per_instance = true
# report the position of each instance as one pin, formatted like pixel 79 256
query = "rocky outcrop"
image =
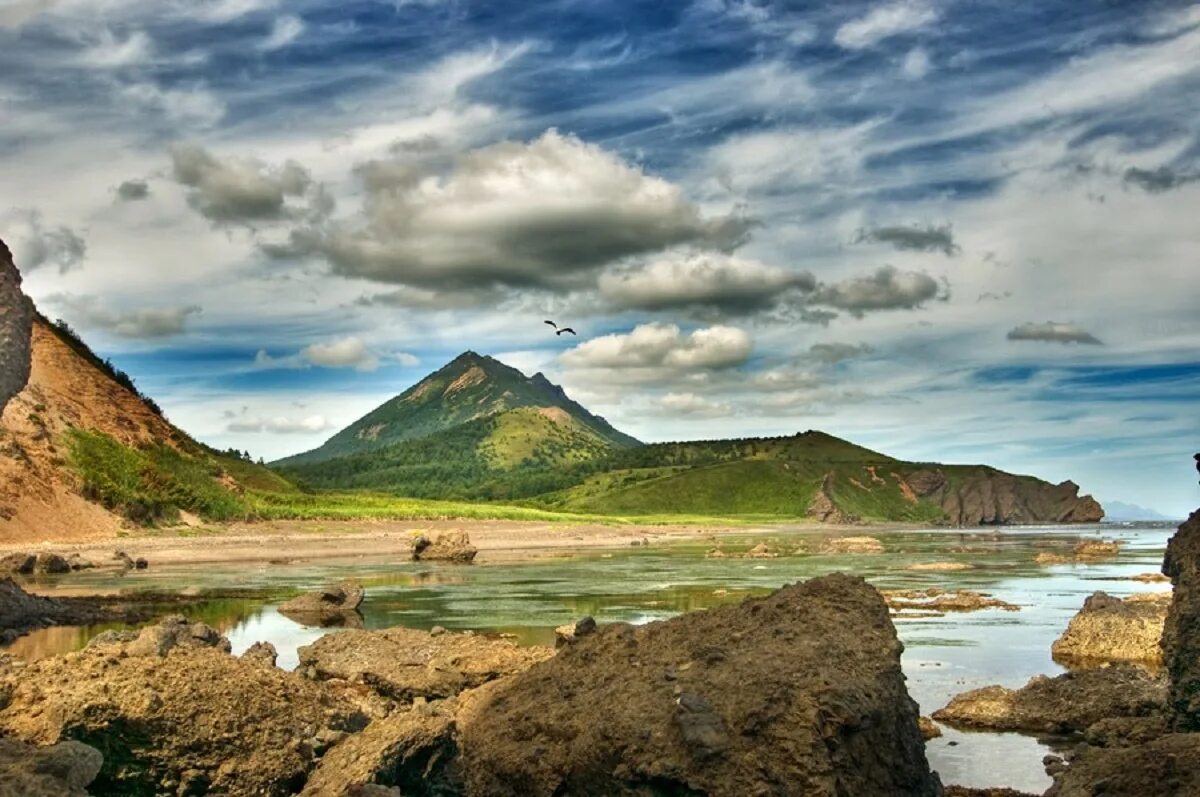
pixel 174 713
pixel 449 546
pixel 935 600
pixel 852 545
pixel 823 508
pixel 1181 633
pixel 405 664
pixel 16 330
pixel 985 496
pixel 1070 702
pixel 799 692
pixel 336 604
pixel 1111 629
pixel 1166 767
pixel 60 770
pixel 21 612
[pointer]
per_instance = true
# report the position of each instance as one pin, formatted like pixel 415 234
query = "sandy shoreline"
pixel 293 541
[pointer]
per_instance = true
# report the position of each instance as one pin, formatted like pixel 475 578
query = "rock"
pixel 16 330
pixel 929 728
pixel 140 563
pixel 1166 767
pixel 123 559
pixel 1046 558
pixel 1096 549
pixel 17 564
pixel 1125 731
pixel 572 632
pixel 405 664
pixel 21 612
pixel 941 567
pixel 261 652
pixel 194 721
pixel 935 599
pixel 173 632
pixel 1070 702
pixel 966 791
pixel 852 545
pixel 1181 632
pixel 336 604
pixel 1111 629
pixel 761 551
pixel 77 562
pixel 112 638
pixel 51 564
pixel 60 770
pixel 449 546
pixel 414 750
pixel 799 692
pixel 1147 578
pixel 823 508
pixel 987 497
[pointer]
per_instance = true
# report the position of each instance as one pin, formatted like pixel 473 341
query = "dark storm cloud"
pixel 913 238
pixel 36 244
pixel 133 190
pixel 886 289
pixel 1054 332
pixel 1157 181
pixel 245 191
pixel 833 353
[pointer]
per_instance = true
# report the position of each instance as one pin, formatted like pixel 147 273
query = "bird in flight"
pixel 559 330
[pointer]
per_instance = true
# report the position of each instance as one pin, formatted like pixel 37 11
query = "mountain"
pixel 1121 511
pixel 474 387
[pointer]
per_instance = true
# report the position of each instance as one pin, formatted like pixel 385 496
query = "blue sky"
pixel 958 231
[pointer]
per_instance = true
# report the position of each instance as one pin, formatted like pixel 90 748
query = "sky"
pixel 949 230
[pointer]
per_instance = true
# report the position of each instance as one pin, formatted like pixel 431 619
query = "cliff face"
pixel 16 319
pixel 1181 635
pixel 984 497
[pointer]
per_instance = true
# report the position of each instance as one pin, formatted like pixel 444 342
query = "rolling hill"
pixel 473 430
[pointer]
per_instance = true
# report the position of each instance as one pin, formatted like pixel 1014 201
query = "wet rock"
pixel 194 721
pixel 17 564
pixel 1147 578
pixel 51 564
pixel 852 545
pixel 405 664
pixel 1069 702
pixel 827 713
pixel 1047 558
pixel 1166 767
pixel 336 604
pixel 262 653
pixel 112 638
pixel 929 728
pixel 174 632
pixel 939 600
pixel 1096 549
pixel 16 330
pixel 1112 629
pixel 77 562
pixel 761 551
pixel 123 559
pixel 21 612
pixel 1181 633
pixel 140 563
pixel 1126 731
pixel 413 750
pixel 941 567
pixel 449 546
pixel 573 632
pixel 60 770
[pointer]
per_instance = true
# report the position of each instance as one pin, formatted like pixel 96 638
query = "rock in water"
pixel 16 330
pixel 797 693
pixel 1111 629
pixel 1181 634
pixel 1166 767
pixel 1070 702
pixel 61 770
pixel 333 605
pixel 449 546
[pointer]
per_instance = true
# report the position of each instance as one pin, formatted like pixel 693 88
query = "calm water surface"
pixel 943 655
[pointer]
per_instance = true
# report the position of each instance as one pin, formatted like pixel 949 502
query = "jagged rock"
pixel 112 638
pixel 336 604
pixel 852 545
pixel 21 612
pixel 929 728
pixel 195 721
pixel 123 559
pixel 405 664
pixel 1096 549
pixel 1111 629
pixel 449 546
pixel 799 692
pixel 1070 702
pixel 988 497
pixel 77 562
pixel 1166 767
pixel 1181 632
pixel 17 564
pixel 1126 731
pixel 174 632
pixel 967 791
pixel 51 564
pixel 823 508
pixel 16 330
pixel 60 770
pixel 414 750
pixel 261 652
pixel 935 599
pixel 573 632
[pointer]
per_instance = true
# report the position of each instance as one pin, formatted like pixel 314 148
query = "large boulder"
pixel 1070 702
pixel 1181 633
pixel 449 546
pixel 796 693
pixel 405 664
pixel 336 604
pixel 1166 767
pixel 190 719
pixel 60 770
pixel 1110 629
pixel 16 330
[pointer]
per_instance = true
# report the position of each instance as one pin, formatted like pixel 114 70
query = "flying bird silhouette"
pixel 565 329
pixel 551 323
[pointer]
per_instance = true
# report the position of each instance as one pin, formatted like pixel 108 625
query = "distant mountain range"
pixel 479 429
pixel 1119 510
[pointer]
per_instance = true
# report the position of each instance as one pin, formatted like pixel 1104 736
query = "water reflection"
pixel 943 655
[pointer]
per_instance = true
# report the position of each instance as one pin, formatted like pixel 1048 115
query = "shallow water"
pixel 944 655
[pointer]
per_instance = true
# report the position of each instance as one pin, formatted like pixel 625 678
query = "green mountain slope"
pixel 469 388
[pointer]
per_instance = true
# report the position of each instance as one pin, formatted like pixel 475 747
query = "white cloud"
pixel 279 425
pixel 284 31
pixel 195 106
pixel 15 13
pixel 1054 332
pixel 244 191
pixel 229 10
pixel 110 52
pixel 653 352
pixel 694 405
pixel 35 244
pixel 887 288
pixel 787 158
pixel 916 64
pixel 883 22
pixel 350 352
pixel 143 323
